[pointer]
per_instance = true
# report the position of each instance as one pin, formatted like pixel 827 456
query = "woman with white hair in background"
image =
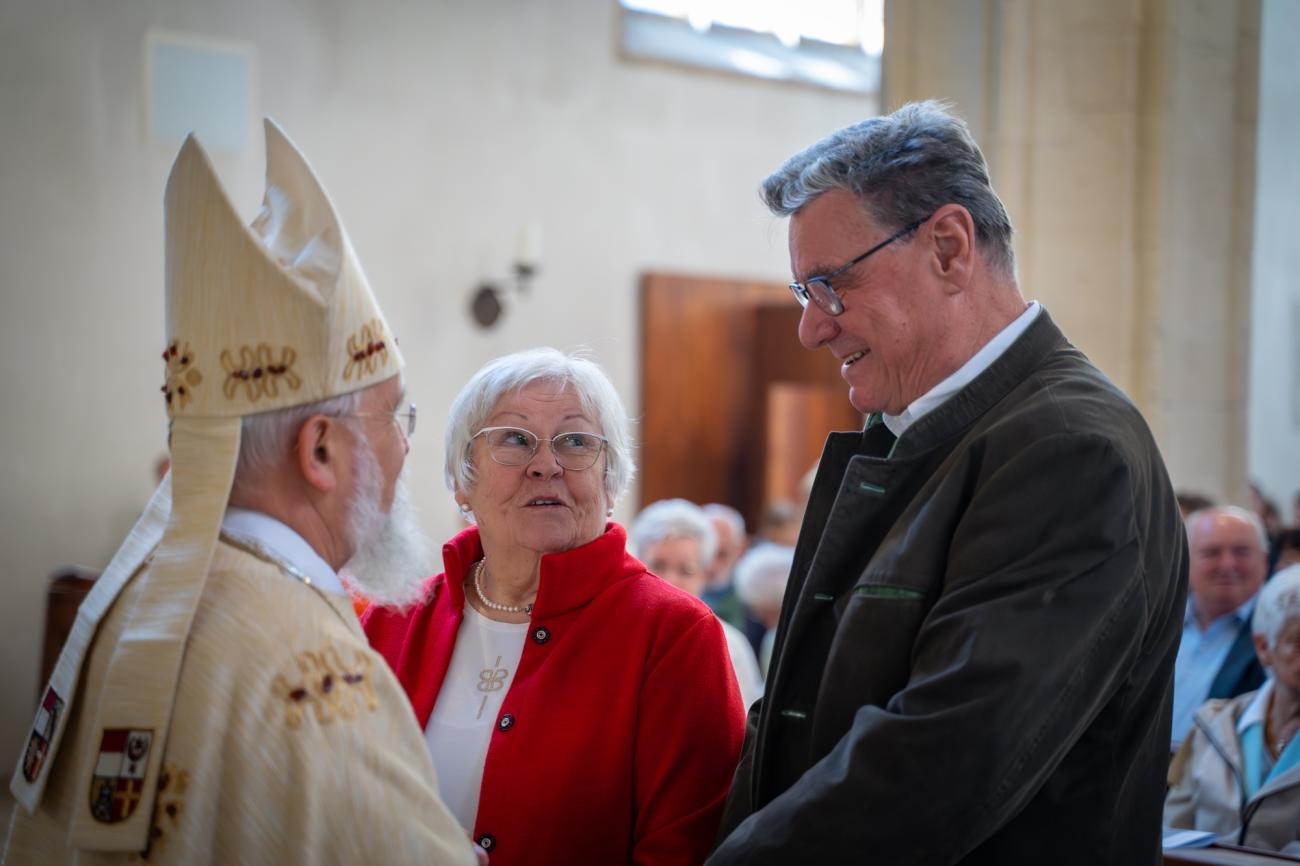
pixel 677 542
pixel 761 576
pixel 545 665
pixel 1238 772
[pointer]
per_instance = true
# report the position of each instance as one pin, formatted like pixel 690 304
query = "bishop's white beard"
pixel 392 557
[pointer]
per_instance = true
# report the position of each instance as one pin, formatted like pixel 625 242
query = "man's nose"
pixel 816 328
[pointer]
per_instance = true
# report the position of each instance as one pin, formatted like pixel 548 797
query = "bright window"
pixel 828 43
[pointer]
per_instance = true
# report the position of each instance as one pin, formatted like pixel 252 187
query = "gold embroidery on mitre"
pixel 258 372
pixel 367 350
pixel 173 782
pixel 331 689
pixel 181 377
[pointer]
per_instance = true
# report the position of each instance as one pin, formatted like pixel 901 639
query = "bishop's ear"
pixel 318 449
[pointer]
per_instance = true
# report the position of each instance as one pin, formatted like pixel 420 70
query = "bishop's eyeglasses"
pixel 404 418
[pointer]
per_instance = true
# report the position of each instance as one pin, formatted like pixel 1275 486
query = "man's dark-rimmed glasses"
pixel 819 288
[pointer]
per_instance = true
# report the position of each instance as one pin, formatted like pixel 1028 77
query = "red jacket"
pixel 625 719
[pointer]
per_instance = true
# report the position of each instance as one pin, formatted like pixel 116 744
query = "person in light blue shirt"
pixel 1238 772
pixel 1216 659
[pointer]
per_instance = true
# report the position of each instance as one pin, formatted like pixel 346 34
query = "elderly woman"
pixel 677 541
pixel 577 708
pixel 1238 773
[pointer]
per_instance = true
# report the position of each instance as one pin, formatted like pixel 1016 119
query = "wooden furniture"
pixel 67 587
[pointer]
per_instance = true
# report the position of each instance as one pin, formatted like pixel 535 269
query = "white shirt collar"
pixel 1254 714
pixel 965 374
pixel 279 540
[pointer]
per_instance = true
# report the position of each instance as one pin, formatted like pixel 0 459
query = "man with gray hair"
pixel 974 660
pixel 1216 655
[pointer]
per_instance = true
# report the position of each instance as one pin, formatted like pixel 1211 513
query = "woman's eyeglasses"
pixel 515 446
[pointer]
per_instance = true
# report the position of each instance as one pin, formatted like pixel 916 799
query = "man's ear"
pixel 1261 650
pixel 319 448
pixel 953 231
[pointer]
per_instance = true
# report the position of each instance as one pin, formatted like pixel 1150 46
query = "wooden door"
pixel 733 408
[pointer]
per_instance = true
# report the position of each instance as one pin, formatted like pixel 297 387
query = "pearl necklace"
pixel 479 568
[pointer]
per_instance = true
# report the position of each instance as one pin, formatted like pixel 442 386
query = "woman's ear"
pixel 1262 650
pixel 318 449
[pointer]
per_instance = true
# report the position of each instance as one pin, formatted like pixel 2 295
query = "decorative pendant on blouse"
pixel 490 679
pixel 487 602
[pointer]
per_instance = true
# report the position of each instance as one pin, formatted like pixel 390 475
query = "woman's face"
pixel 539 507
pixel 677 560
pixel 1284 657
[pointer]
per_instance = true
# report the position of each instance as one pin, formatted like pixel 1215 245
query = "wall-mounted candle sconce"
pixel 486 304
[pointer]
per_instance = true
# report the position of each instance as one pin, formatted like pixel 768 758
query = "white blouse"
pixel 482 667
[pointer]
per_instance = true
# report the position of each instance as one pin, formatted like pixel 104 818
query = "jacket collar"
pixel 569 579
pixel 1016 364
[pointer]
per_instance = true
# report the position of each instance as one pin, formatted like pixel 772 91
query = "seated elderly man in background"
pixel 761 576
pixel 675 540
pixel 577 708
pixel 1216 659
pixel 217 702
pixel 1238 772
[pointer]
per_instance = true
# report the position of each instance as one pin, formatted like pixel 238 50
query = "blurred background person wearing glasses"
pixel 577 709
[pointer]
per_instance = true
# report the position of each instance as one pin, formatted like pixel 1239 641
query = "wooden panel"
pixel 798 418
pixel 66 590
pixel 698 403
pixel 710 349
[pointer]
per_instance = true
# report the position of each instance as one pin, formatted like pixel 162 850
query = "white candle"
pixel 530 245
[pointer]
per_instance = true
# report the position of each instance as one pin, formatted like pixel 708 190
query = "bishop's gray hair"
pixel 267 439
pixel 673 518
pixel 511 373
pixel 903 167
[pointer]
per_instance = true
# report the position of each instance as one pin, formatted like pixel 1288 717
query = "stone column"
pixel 1121 135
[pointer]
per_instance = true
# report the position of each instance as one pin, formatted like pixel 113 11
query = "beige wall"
pixel 1121 136
pixel 441 130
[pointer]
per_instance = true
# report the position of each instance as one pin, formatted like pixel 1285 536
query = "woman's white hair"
pixel 509 374
pixel 1278 603
pixel 673 518
pixel 762 573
